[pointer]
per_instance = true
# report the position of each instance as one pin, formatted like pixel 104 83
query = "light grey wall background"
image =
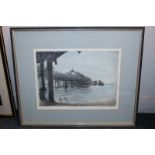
pixel 147 91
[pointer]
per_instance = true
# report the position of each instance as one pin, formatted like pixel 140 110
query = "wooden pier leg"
pixel 42 74
pixel 42 89
pixel 50 81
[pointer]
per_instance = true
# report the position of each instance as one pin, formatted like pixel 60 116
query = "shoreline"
pixel 103 103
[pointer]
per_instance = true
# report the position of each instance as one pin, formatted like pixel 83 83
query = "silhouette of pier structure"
pixel 71 79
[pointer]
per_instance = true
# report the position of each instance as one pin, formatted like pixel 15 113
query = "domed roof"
pixel 76 76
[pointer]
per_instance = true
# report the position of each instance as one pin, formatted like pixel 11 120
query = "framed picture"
pixel 6 96
pixel 77 76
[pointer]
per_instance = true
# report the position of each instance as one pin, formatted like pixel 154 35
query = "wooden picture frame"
pixel 32 44
pixel 7 107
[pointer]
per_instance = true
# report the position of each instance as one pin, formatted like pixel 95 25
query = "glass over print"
pixel 77 76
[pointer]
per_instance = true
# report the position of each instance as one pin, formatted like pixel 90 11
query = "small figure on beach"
pixel 62 99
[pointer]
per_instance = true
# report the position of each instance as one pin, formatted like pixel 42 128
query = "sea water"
pixel 89 94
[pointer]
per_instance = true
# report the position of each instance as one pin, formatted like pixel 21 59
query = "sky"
pixel 98 65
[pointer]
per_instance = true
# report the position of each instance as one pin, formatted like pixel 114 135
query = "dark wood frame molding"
pixel 7 75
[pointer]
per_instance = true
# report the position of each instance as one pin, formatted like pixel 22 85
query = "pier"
pixel 55 80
